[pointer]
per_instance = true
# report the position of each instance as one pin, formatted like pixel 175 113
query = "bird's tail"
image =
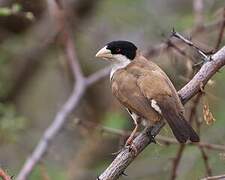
pixel 182 130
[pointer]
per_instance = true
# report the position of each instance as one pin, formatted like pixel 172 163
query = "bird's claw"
pixel 132 148
pixel 117 152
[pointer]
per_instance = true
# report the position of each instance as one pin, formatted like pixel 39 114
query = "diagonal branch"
pixel 221 32
pixel 206 161
pixel 124 158
pixel 219 177
pixel 176 161
pixel 98 75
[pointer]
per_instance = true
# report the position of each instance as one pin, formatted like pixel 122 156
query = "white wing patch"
pixel 155 106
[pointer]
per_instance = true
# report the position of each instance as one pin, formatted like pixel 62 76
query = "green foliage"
pixel 10 123
pixel 185 22
pixel 5 84
pixel 114 120
pixel 15 9
pixel 44 172
pixel 7 11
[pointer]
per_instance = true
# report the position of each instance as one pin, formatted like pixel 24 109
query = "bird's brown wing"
pixel 125 88
pixel 167 100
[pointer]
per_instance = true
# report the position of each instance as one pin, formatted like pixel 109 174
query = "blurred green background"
pixel 35 81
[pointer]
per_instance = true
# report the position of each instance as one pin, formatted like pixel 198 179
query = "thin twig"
pixel 198 6
pixel 181 149
pixel 221 32
pixel 206 161
pixel 176 161
pixel 209 146
pixel 219 177
pixel 98 75
pixel 162 139
pixel 190 43
pixel 163 47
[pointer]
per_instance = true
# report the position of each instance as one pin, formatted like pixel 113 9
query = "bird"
pixel 145 90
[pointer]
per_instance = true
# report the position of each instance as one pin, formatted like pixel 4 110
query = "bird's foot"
pixel 131 147
pixel 117 152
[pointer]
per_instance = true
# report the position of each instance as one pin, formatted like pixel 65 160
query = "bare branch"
pixel 163 47
pixel 198 12
pixel 219 177
pixel 206 162
pixel 98 75
pixel 176 161
pixel 209 146
pixel 51 132
pixel 71 103
pixel 61 23
pixel 188 42
pixel 124 158
pixel 71 55
pixel 221 32
pixel 203 75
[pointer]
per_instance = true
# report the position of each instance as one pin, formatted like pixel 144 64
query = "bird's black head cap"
pixel 125 48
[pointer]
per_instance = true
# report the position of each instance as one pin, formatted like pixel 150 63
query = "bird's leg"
pixel 131 137
pixel 129 142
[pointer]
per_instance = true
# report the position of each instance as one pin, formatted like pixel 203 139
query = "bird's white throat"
pixel 121 62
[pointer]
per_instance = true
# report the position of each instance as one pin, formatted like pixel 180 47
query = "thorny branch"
pixel 179 36
pixel 163 47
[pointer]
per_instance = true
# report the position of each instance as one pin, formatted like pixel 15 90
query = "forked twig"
pixel 190 43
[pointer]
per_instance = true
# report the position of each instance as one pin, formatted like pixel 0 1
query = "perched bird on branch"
pixel 145 90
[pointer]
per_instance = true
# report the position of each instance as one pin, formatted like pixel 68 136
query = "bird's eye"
pixel 118 50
